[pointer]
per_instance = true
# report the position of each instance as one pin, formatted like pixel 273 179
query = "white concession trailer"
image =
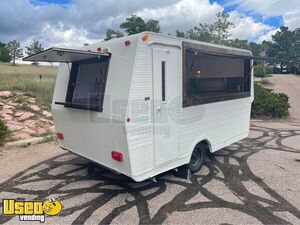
pixel 147 103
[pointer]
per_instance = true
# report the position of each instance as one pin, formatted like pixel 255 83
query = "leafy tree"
pixel 135 24
pixel 238 43
pixel 15 51
pixel 192 34
pixel 257 49
pixel 4 53
pixel 221 26
pixel 153 25
pixel 267 50
pixel 283 43
pixel 218 32
pixel 297 50
pixel 283 49
pixel 110 33
pixel 34 47
pixel 180 34
pixel 202 33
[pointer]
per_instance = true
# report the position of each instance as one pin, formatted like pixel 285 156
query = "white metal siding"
pixel 221 122
pixel 95 134
pixel 217 122
pixel 140 129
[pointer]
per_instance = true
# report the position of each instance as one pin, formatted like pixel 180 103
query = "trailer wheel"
pixel 197 158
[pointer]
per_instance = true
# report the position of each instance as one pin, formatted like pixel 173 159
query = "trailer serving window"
pixel 87 84
pixel 88 73
pixel 212 76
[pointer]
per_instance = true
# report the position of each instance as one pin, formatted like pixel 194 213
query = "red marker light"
pixel 118 156
pixel 127 42
pixel 60 136
pixel 99 49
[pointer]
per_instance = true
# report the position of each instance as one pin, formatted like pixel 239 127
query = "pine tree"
pixel 15 51
pixel 34 47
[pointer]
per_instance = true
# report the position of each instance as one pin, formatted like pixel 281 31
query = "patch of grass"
pixel 4 132
pixel 20 99
pixel 25 78
pixel 23 106
pixel 46 134
pixel 269 104
pixel 48 138
pixel 266 81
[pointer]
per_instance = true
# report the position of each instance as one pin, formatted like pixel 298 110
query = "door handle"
pixel 158 108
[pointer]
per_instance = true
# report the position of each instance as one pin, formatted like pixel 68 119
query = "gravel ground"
pixel 255 181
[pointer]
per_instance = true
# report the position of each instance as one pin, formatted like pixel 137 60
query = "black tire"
pixel 197 158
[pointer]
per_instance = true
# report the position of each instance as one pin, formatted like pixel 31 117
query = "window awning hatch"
pixel 237 56
pixel 63 55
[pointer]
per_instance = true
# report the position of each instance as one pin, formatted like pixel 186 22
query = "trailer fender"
pixel 197 141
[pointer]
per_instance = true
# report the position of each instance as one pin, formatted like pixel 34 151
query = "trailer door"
pixel 166 89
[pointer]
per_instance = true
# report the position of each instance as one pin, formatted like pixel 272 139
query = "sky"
pixel 71 23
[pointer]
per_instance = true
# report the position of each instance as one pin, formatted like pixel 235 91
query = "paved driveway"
pixel 255 181
pixel 289 84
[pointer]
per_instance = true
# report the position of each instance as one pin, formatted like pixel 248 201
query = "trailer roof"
pixel 198 42
pixel 205 46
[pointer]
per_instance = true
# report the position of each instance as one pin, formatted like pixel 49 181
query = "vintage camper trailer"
pixel 147 103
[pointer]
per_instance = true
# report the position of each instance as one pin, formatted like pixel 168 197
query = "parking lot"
pixel 255 181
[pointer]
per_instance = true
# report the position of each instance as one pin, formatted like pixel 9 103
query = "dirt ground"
pixel 289 84
pixel 255 181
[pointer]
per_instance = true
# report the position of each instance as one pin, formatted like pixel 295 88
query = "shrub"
pixel 4 132
pixel 262 71
pixel 269 104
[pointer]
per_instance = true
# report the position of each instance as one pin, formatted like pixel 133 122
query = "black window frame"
pixel 163 81
pixel 72 84
pixel 188 100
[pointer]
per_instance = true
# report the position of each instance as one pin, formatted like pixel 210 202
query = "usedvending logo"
pixel 31 210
